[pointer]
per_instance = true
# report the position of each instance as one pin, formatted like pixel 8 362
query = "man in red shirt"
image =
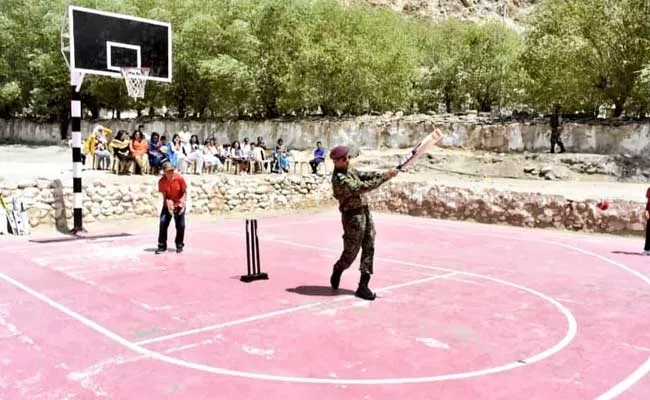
pixel 174 190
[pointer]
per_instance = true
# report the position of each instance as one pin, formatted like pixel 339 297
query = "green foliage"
pixel 270 58
pixel 583 53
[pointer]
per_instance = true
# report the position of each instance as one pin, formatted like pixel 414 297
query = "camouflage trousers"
pixel 358 234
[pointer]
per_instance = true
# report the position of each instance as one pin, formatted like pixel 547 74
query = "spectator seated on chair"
pixel 96 145
pixel 177 154
pixel 155 154
pixel 217 151
pixel 185 135
pixel 144 133
pixel 260 143
pixel 246 147
pixel 194 154
pixel 257 156
pixel 88 147
pixel 139 148
pixel 281 158
pixel 319 157
pixel 238 157
pixel 166 147
pixel 120 146
pixel 211 161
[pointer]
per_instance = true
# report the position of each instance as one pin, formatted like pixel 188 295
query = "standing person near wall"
pixel 556 129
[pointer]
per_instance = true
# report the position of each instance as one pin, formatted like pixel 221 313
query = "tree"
pixel 489 63
pixel 583 52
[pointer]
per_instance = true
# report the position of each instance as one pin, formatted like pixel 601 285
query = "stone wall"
pixel 510 208
pixel 49 203
pixel 387 131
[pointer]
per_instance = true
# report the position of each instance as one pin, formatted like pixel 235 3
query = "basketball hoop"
pixel 136 79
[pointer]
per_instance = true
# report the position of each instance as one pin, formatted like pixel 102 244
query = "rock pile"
pixel 50 202
pixel 511 208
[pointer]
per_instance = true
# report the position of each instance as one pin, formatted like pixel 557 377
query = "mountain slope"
pixel 512 10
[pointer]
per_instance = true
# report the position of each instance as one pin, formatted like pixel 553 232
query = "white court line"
pixel 571 331
pixel 621 386
pixel 423 225
pixel 467 281
pixel 627 383
pixel 282 311
pixel 314 247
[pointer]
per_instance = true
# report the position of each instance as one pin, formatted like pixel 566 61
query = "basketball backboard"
pixel 101 43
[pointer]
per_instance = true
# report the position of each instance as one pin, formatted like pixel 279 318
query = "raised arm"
pixel 370 175
pixel 347 186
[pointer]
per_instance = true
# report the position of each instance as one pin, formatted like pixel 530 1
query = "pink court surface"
pixel 464 311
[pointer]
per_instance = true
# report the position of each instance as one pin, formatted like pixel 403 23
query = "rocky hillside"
pixel 512 10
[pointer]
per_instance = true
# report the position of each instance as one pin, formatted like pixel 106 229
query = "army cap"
pixel 339 152
pixel 343 151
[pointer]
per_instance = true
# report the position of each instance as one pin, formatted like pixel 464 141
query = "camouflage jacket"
pixel 348 185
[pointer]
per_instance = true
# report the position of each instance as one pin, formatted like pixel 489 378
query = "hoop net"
pixel 136 80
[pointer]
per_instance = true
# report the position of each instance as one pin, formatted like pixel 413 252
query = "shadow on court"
pixel 319 291
pixel 628 253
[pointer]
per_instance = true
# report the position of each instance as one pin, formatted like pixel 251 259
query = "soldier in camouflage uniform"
pixel 348 186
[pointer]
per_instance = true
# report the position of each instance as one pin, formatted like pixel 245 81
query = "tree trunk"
pixel 618 107
pixel 271 110
pixel 484 105
pixel 64 122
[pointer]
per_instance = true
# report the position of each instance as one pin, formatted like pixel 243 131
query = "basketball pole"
pixel 76 79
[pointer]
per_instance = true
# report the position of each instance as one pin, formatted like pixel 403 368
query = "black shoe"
pixel 179 249
pixel 161 250
pixel 335 279
pixel 363 291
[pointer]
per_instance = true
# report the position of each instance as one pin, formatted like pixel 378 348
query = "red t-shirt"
pixel 173 189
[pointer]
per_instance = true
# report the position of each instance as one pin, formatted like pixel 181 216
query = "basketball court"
pixel 462 311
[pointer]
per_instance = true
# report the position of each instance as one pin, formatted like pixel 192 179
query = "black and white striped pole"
pixel 76 79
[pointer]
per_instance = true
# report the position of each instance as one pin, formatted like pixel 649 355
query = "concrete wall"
pixel 28 131
pixel 391 131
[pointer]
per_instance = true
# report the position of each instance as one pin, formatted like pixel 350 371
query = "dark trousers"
pixel 314 164
pixel 556 140
pixel 646 247
pixel 358 234
pixel 165 220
